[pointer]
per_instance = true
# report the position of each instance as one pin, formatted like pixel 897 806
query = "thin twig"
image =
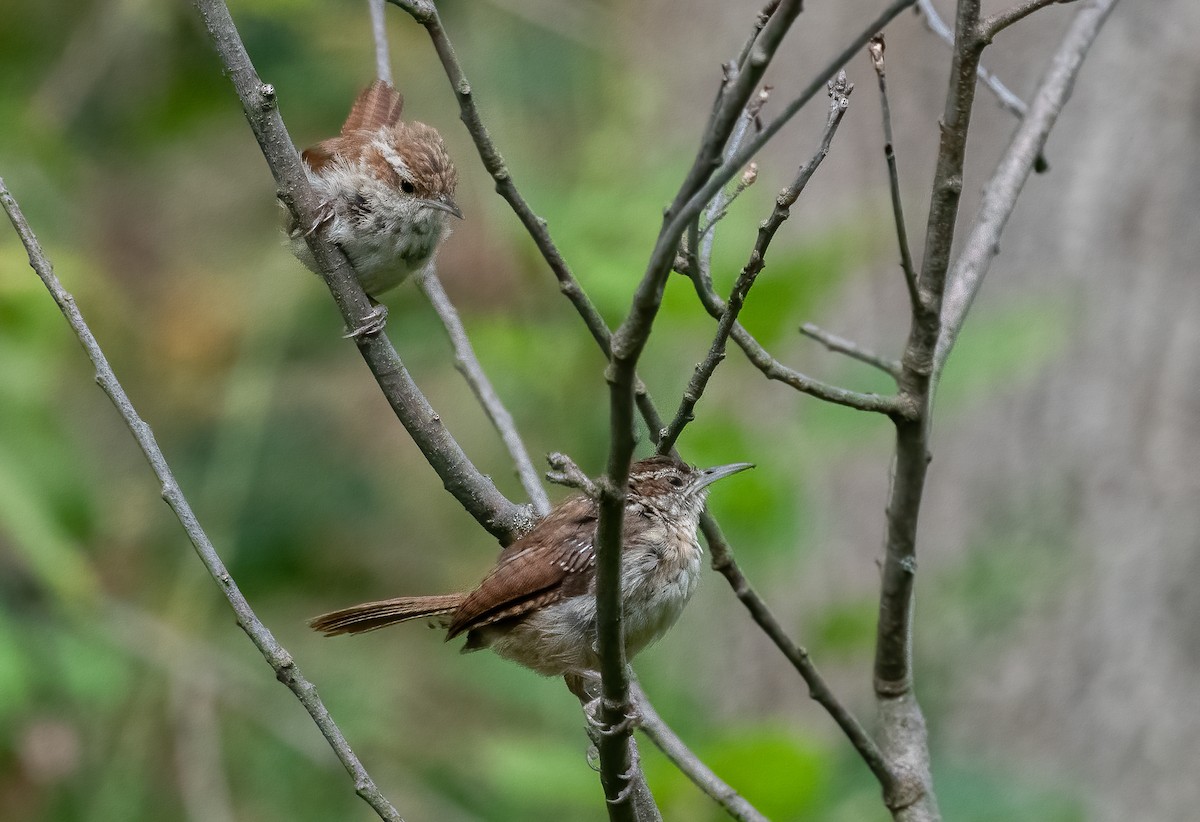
pixel 839 101
pixel 1008 100
pixel 1000 195
pixel 703 777
pixel 717 208
pixel 276 656
pixel 989 27
pixel 875 49
pixel 851 349
pixel 564 471
pixel 383 63
pixel 468 365
pixel 760 358
pixel 475 492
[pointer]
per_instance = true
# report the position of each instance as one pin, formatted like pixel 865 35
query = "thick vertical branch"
pixel 903 738
pixel 627 345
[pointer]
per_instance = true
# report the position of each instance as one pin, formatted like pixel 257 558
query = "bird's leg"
pixel 325 213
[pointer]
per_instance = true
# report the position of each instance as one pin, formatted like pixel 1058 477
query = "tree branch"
pixel 760 358
pixel 725 564
pixel 383 64
pixel 474 491
pixel 628 342
pixel 468 365
pixel 703 777
pixel 276 656
pixel 875 49
pixel 839 101
pixel 851 349
pixel 1008 100
pixel 1007 181
pixel 989 27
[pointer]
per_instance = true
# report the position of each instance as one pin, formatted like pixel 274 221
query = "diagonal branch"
pixel 989 27
pixel 468 365
pixel 723 562
pixel 703 777
pixel 276 656
pixel 851 349
pixel 474 491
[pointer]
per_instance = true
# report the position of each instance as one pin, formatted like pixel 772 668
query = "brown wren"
pixel 386 189
pixel 537 607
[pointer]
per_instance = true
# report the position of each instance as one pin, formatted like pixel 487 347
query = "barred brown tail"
pixel 371 616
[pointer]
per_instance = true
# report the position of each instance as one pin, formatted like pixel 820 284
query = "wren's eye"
pixel 677 481
pixel 407 187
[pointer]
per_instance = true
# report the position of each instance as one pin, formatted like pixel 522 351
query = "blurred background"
pixel 1057 644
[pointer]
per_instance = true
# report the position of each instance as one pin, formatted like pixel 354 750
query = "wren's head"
pixel 673 490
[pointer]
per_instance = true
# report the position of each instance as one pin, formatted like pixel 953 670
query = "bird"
pixel 537 606
pixel 386 191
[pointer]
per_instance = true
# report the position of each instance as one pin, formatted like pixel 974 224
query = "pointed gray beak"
pixel 710 475
pixel 444 204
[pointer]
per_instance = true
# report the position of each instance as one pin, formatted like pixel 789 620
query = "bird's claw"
pixel 325 213
pixel 374 325
pixel 628 723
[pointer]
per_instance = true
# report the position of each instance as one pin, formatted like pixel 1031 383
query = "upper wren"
pixel 385 187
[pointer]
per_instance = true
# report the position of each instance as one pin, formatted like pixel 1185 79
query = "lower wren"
pixel 386 190
pixel 537 607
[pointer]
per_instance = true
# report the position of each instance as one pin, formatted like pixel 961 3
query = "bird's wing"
pixel 542 567
pixel 376 106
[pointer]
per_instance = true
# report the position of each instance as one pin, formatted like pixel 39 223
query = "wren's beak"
pixel 445 204
pixel 710 475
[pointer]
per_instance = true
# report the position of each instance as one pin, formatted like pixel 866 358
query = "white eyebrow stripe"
pixel 393 158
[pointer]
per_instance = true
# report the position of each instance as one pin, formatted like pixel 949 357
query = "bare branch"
pixel 727 170
pixel 426 14
pixel 851 349
pixel 723 562
pixel 876 49
pixel 468 365
pixel 989 27
pixel 761 359
pixel 1008 100
pixel 383 63
pixel 652 725
pixel 1000 195
pixel 286 670
pixel 628 343
pixel 839 94
pixel 564 471
pixel 474 491
pixel 717 208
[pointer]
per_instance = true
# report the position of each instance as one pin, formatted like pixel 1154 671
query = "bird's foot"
pixel 325 213
pixel 374 325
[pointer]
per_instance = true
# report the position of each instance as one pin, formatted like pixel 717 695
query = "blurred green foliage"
pixel 129 154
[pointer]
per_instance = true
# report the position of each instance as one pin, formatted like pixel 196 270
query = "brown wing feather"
pixel 376 106
pixel 322 154
pixel 531 572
